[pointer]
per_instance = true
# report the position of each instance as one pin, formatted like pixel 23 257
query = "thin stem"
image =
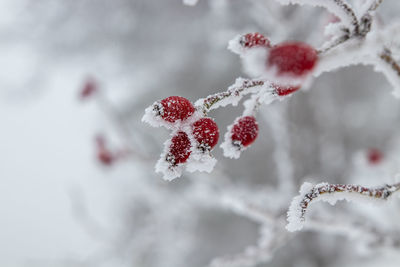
pixel 375 5
pixel 336 42
pixel 350 12
pixel 239 89
pixel 386 56
pixel 300 204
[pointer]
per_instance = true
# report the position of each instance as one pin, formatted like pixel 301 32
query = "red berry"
pixel 292 58
pixel 105 157
pixel 89 88
pixel 206 132
pixel 174 108
pixel 282 90
pixel 254 39
pixel 179 151
pixel 374 156
pixel 245 131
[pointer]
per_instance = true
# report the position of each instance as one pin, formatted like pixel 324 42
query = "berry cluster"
pixel 193 136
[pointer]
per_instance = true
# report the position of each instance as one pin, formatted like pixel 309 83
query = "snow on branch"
pixel 233 95
pixel 331 193
pixel 276 71
pixel 374 4
pixel 391 69
pixel 337 7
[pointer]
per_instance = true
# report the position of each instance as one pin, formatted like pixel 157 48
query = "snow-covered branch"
pixel 234 94
pixel 337 7
pixel 331 193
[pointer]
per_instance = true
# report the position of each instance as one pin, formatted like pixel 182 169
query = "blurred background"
pixel 77 180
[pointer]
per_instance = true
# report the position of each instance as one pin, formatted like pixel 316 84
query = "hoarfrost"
pixel 337 7
pixel 169 171
pixel 332 193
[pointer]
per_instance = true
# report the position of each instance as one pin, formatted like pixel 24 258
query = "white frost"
pixel 230 151
pixel 163 166
pixel 235 46
pixel 294 214
pixel 337 9
pixel 200 161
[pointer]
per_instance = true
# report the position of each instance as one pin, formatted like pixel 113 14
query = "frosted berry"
pixel 374 156
pixel 206 132
pixel 179 150
pixel 292 59
pixel 244 131
pixel 282 90
pixel 174 108
pixel 254 39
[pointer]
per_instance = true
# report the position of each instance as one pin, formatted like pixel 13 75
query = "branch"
pixel 233 95
pixel 337 7
pixel 331 193
pixel 374 5
pixel 254 255
pixel 391 69
pixel 386 56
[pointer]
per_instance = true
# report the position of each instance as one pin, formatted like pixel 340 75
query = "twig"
pixel 235 92
pixel 331 193
pixel 386 56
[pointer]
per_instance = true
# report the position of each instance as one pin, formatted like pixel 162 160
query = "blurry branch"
pixel 81 212
pixel 386 56
pixel 270 241
pixel 374 5
pixel 361 233
pixel 120 124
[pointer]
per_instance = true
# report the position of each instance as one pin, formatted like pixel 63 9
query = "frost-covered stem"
pixel 338 7
pixel 239 89
pixel 350 12
pixel 386 56
pixel 361 28
pixel 374 5
pixel 331 193
pixel 337 41
pixel 248 210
